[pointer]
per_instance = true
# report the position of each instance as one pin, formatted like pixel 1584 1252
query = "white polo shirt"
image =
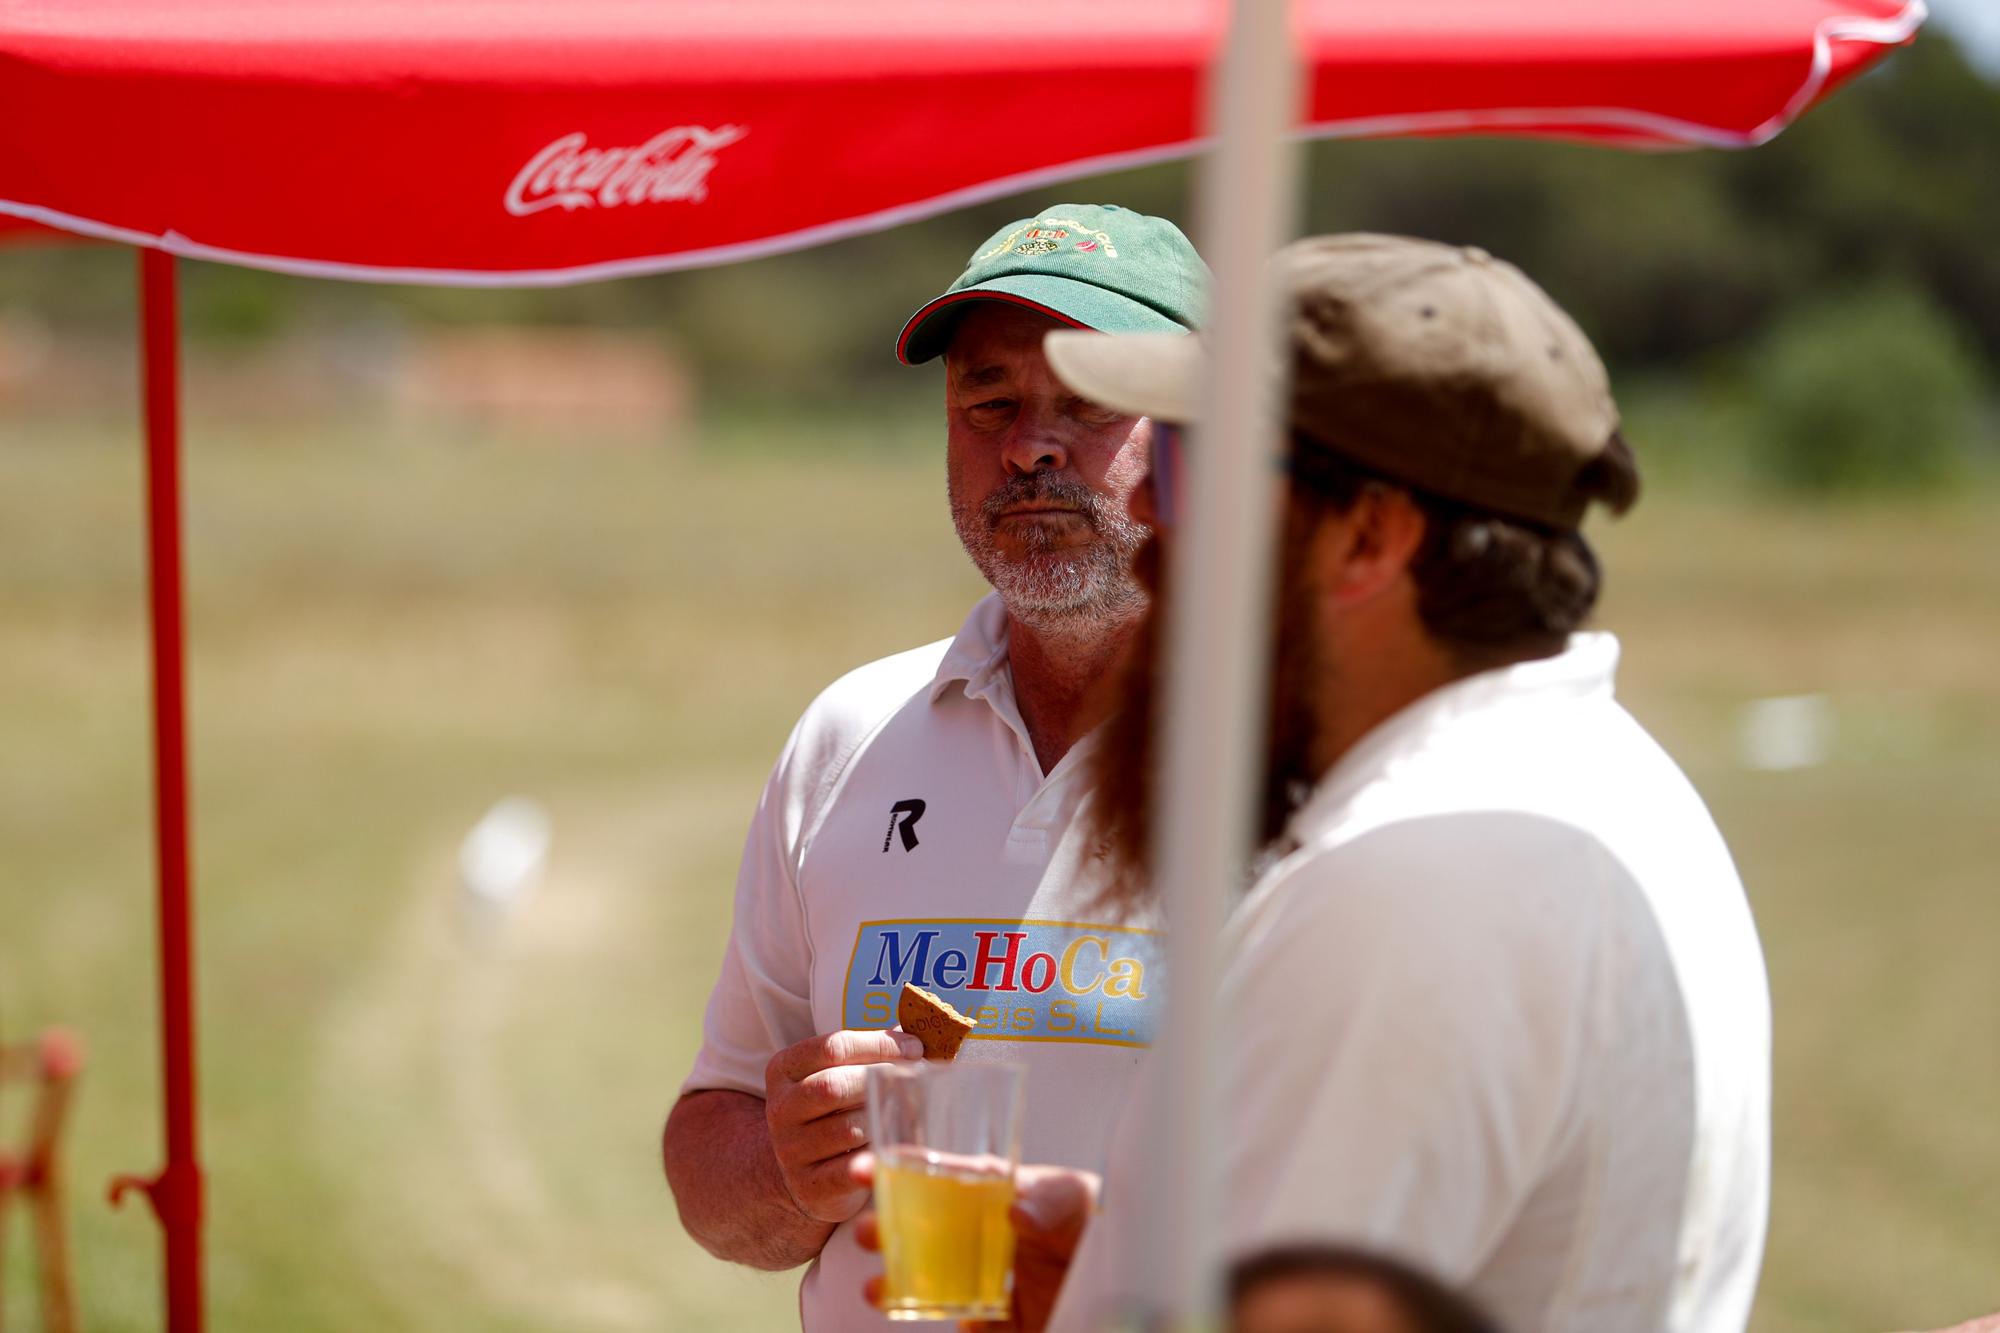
pixel 909 834
pixel 1502 1013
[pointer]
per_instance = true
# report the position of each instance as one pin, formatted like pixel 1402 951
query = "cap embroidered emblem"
pixel 1045 236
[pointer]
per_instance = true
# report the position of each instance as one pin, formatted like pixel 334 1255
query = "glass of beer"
pixel 946 1138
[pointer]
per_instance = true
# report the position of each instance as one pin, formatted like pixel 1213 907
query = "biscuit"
pixel 932 1021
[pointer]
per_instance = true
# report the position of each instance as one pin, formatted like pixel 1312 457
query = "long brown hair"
pixel 1127 763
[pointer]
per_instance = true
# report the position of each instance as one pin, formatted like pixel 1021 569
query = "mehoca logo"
pixel 1026 980
pixel 671 166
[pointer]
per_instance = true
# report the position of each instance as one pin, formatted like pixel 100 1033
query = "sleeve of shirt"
pixel 762 1000
pixel 1406 1014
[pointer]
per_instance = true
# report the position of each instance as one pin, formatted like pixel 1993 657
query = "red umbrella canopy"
pixel 487 142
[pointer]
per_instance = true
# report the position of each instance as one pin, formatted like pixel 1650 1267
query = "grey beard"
pixel 1055 584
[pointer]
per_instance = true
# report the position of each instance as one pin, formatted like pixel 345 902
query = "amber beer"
pixel 946 1141
pixel 947 1248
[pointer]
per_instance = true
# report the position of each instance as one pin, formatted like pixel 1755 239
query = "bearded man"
pixel 921 824
pixel 1496 1003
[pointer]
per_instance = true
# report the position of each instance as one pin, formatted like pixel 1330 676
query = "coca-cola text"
pixel 673 165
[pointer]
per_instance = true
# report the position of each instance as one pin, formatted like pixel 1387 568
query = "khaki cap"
pixel 1438 366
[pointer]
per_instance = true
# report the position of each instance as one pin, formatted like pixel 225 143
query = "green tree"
pixel 1872 388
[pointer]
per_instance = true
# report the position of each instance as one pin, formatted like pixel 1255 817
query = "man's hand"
pixel 813 1095
pixel 1052 1205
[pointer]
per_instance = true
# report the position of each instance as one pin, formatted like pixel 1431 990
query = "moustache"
pixel 1042 489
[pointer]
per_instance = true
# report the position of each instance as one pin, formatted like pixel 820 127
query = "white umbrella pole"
pixel 1218 637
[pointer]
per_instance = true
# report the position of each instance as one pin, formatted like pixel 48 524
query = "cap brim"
pixel 1082 305
pixel 1154 375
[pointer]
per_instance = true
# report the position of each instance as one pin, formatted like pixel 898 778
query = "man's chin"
pixel 1040 607
pixel 1052 595
pixel 1047 571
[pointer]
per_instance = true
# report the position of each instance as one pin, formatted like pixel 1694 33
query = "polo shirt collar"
pixel 977 657
pixel 1584 670
pixel 978 662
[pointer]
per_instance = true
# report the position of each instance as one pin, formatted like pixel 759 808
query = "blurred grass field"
pixel 411 1125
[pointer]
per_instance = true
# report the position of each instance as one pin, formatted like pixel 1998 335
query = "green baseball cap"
pixel 1091 266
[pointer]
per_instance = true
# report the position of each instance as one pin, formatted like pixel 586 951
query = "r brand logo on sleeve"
pixel 1021 980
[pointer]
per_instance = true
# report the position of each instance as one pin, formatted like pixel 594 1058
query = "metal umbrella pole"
pixel 176 1191
pixel 1218 633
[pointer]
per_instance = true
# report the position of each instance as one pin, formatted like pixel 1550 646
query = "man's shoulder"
pixel 1585 770
pixel 1451 913
pixel 860 700
pixel 1539 892
pixel 1457 868
pixel 857 704
pixel 838 724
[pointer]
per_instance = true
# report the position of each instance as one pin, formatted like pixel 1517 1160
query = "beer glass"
pixel 946 1138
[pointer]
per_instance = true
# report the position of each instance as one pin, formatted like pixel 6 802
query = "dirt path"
pixel 424 1059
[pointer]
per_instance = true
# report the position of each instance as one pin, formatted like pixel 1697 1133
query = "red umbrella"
pixel 479 142
pixel 442 141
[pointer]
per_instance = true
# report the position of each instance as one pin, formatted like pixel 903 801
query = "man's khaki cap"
pixel 1438 366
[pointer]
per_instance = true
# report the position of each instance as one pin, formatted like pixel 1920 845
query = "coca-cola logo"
pixel 569 174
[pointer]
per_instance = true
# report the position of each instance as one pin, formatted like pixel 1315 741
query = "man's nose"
pixel 1033 447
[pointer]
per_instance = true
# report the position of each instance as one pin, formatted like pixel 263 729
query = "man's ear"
pixel 1365 551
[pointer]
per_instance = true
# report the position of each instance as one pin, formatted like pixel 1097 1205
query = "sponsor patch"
pixel 1065 981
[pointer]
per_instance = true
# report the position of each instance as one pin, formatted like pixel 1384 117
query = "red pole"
pixel 176 1193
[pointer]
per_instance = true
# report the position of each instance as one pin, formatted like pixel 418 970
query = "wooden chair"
pixel 33 1173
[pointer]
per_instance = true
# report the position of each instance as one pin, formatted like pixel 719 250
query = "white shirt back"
pixel 1503 1013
